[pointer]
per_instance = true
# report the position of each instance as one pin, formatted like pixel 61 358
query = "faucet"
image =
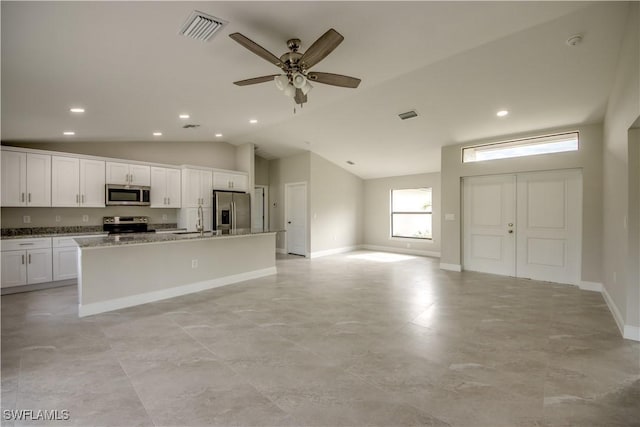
pixel 199 224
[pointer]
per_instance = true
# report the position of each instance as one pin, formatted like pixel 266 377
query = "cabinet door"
pixel 173 188
pixel 38 179
pixel 117 173
pixel 191 188
pixel 206 188
pixel 14 268
pixel 65 263
pixel 14 178
pixel 92 173
pixel 140 175
pixel 65 180
pixel 239 182
pixel 221 181
pixel 39 266
pixel 158 187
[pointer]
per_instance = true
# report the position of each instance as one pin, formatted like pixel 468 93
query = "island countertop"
pixel 153 238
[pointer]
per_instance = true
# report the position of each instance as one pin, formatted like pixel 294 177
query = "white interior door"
pixel 525 225
pixel 549 226
pixel 296 218
pixel 489 217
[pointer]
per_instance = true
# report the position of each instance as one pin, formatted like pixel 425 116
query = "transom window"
pixel 411 211
pixel 522 147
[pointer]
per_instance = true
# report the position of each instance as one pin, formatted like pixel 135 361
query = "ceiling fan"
pixel 295 65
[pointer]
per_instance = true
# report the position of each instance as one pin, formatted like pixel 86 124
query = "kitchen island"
pixel 115 272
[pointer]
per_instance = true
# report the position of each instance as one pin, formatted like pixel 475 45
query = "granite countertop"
pixel 78 230
pixel 150 238
pixel 60 234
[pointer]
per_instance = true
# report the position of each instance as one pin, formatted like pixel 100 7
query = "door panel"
pixel 550 226
pixel 296 218
pixel 489 208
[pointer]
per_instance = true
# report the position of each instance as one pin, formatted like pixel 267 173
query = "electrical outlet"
pixel 85 218
pixel 164 217
pixel 26 219
pixel 58 218
pixel 194 263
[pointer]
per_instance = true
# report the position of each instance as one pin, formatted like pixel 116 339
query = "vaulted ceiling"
pixel 455 63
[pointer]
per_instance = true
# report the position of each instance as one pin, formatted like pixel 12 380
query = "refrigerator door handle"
pixel 233 215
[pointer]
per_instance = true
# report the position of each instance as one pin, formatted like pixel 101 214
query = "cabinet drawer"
pixel 26 244
pixel 64 242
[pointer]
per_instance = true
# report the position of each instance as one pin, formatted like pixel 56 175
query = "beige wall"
pixel 282 171
pixel 378 213
pixel 46 217
pixel 622 111
pixel 208 154
pixel 588 158
pixel 633 259
pixel 336 206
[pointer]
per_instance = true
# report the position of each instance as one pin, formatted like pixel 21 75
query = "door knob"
pixel 510 231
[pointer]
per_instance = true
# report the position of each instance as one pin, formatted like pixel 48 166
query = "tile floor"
pixel 356 339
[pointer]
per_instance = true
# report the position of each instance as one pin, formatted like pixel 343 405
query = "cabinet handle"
pixel 22 197
pixel 77 198
pixel 83 198
pixel 22 259
pixel 29 258
pixel 29 198
pixel 168 200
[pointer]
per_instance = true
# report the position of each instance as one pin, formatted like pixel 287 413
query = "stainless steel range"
pixel 126 224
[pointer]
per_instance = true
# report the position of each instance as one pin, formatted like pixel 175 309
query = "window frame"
pixel 392 212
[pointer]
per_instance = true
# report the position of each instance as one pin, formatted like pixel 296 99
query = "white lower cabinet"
pixel 26 261
pixel 65 258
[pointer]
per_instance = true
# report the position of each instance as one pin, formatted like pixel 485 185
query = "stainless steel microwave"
pixel 127 195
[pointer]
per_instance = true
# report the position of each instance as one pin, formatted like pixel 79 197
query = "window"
pixel 522 147
pixel 411 213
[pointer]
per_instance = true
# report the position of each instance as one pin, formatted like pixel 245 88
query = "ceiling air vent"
pixel 201 26
pixel 408 115
pixel 190 126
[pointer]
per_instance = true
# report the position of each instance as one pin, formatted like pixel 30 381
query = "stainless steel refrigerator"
pixel 231 211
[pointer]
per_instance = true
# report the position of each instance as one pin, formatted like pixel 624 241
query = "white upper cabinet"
pixel 26 179
pixel 230 181
pixel 165 187
pixel 196 188
pixel 128 174
pixel 77 182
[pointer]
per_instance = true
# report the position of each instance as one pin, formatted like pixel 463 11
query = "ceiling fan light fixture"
pixel 306 88
pixel 289 90
pixel 281 81
pixel 299 80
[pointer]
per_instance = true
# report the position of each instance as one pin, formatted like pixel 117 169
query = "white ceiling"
pixel 455 63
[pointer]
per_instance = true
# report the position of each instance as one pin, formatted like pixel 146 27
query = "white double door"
pixel 524 225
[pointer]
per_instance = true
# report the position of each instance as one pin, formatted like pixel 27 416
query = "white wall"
pixel 261 171
pixel 377 233
pixel 623 110
pixel 588 158
pixel 336 207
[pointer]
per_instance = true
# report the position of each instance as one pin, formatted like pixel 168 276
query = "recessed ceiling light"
pixel 76 110
pixel 253 121
pixel 218 135
pixel 502 113
pixel 184 116
pixel 68 133
pixel 157 134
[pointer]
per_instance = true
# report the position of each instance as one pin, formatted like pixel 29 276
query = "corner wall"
pixel 623 110
pixel 378 214
pixel 336 208
pixel 588 158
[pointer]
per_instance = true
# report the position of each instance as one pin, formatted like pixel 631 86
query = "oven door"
pixel 122 195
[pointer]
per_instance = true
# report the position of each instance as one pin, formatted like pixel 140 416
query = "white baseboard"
pixel 400 250
pixel 344 249
pixel 590 286
pixel 450 267
pixel 130 301
pixel 613 308
pixel 631 332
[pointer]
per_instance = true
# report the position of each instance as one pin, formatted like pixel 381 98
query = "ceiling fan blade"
pixel 334 79
pixel 256 48
pixel 256 80
pixel 300 97
pixel 321 48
